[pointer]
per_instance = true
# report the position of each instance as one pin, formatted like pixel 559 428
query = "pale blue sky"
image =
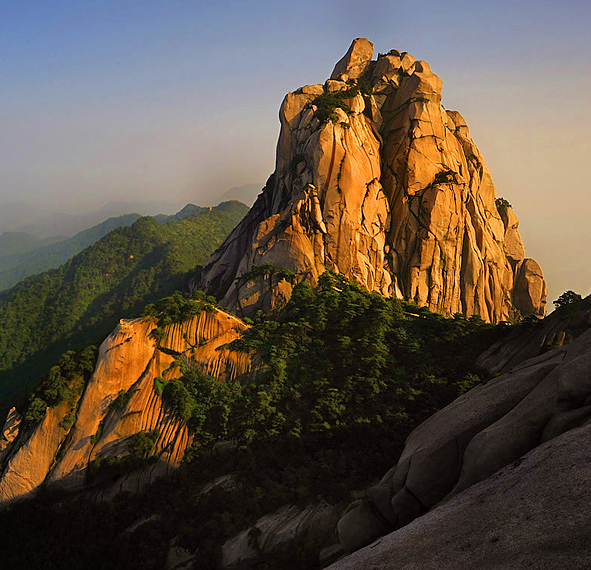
pixel 144 99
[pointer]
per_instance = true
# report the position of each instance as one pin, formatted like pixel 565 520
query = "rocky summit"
pixel 377 181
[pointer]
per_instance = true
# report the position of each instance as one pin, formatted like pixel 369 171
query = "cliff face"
pixel 375 180
pixel 129 361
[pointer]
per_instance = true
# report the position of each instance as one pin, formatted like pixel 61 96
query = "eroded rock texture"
pixel 534 513
pixel 544 395
pixel 383 185
pixel 129 361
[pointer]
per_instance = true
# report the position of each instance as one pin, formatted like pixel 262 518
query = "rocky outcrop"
pixel 129 361
pixel 532 339
pixel 479 433
pixel 279 531
pixel 534 513
pixel 355 62
pixel 376 180
pixel 9 432
pixel 27 468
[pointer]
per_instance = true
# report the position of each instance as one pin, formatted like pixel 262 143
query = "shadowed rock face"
pixel 534 513
pixel 387 188
pixel 484 430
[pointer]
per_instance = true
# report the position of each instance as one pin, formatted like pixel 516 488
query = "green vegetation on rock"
pixel 501 203
pixel 346 375
pixel 329 101
pixel 64 381
pixel 567 298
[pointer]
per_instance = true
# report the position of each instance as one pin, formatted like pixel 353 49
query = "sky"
pixel 176 99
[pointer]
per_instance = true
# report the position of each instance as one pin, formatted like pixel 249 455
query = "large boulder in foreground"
pixel 375 180
pixel 534 513
pixel 481 432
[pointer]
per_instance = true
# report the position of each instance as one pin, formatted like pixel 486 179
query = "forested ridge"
pixel 17 266
pixel 346 375
pixel 82 300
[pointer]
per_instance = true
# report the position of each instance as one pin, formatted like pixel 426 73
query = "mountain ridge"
pixel 379 223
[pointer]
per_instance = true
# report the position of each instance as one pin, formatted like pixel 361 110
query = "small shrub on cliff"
pixel 64 381
pixel 99 432
pixel 502 204
pixel 142 444
pixel 121 400
pixel 159 384
pixel 36 411
pixel 177 396
pixel 328 102
pixel 445 177
pixel 177 308
pixel 203 402
pixel 268 270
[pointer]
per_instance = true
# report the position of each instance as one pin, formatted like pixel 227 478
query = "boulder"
pixel 355 61
pixel 359 526
pixel 530 288
pixel 534 513
pixel 483 431
pixel 281 530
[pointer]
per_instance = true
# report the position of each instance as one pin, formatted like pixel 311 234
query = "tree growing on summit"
pixel 567 298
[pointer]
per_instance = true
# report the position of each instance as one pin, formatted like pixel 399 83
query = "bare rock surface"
pixel 27 468
pixel 355 61
pixel 10 431
pixel 534 513
pixel 375 180
pixel 527 341
pixel 278 531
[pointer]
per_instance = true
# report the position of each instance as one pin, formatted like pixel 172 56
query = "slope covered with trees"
pixel 18 265
pixel 80 302
pixel 22 254
pixel 347 374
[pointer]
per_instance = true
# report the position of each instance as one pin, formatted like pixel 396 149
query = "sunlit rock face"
pixel 129 360
pixel 376 180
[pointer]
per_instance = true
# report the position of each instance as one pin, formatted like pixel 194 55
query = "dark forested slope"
pixel 345 375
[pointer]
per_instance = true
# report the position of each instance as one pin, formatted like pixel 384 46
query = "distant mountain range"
pixel 44 225
pixel 15 243
pixel 29 260
pixel 246 194
pixel 17 218
pixel 23 254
